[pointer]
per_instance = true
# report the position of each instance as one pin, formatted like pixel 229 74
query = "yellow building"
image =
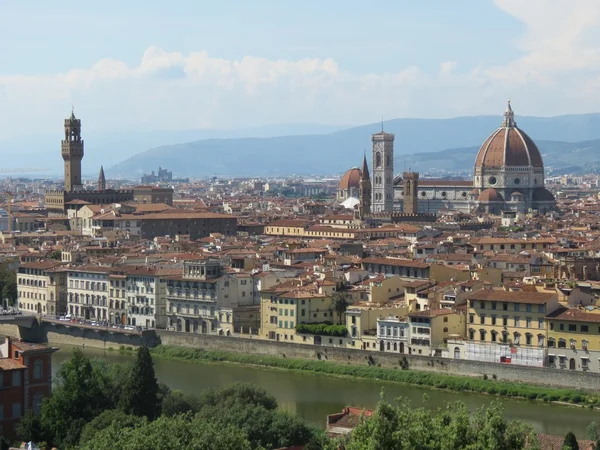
pixel 574 339
pixel 430 330
pixel 508 327
pixel 41 287
pixel 284 306
pixel 361 321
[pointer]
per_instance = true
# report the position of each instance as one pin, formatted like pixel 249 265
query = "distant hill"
pixel 444 144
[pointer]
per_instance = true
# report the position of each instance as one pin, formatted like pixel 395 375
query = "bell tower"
pixel 411 186
pixel 383 172
pixel 72 153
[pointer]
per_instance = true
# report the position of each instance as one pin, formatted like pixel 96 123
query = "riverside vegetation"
pixel 401 374
pixel 100 406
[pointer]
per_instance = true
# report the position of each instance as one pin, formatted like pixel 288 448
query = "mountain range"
pixel 429 145
pixel 569 144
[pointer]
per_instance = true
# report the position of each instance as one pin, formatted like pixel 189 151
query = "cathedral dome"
pixel 543 195
pixel 490 195
pixel 508 146
pixel 350 180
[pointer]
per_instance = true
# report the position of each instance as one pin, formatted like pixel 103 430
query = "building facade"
pixel 42 287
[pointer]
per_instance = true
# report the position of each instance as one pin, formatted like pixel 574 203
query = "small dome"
pixel 543 195
pixel 350 180
pixel 517 194
pixel 508 146
pixel 490 195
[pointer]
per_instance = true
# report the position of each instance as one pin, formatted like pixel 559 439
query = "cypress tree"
pixel 140 393
pixel 570 442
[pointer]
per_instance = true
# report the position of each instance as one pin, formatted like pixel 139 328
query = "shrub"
pixel 322 329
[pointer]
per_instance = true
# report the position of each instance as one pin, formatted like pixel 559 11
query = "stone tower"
pixel 411 186
pixel 365 190
pixel 72 153
pixel 101 180
pixel 383 172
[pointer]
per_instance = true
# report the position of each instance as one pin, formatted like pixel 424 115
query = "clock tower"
pixel 72 153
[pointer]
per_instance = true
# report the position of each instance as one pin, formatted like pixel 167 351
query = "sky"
pixel 188 64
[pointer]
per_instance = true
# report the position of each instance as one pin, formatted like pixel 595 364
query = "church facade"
pixel 508 175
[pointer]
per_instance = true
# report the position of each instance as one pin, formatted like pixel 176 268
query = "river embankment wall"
pixel 531 375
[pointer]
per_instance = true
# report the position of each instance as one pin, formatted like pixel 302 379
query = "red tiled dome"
pixel 350 180
pixel 490 195
pixel 508 146
pixel 543 195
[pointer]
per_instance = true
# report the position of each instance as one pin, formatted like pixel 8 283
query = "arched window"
pixel 482 335
pixel 517 338
pixel 377 159
pixel 445 330
pixel 387 160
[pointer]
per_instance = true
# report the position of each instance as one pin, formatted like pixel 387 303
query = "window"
pixel 541 309
pixel 584 345
pixel 517 321
pixel 16 410
pixel 493 305
pixel 584 363
pixel 482 305
pixel 584 328
pixel 493 320
pixel 505 306
pixel 551 342
pixel 540 323
pixel 562 343
pixel 572 327
pixel 482 319
pixel 541 341
pixel 561 327
pixel 482 335
pixel 16 378
pixel 471 318
pixel 528 308
pixel 528 322
pixel 471 334
pixel 517 307
pixel 528 339
pixel 505 321
pixel 517 338
pixel 37 402
pixel 494 336
pixel 37 369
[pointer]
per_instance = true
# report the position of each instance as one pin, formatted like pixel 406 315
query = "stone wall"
pixel 532 375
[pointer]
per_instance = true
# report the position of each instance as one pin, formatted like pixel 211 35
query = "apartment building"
pixel 574 339
pixel 508 326
pixel 88 292
pixel 41 287
pixel 146 298
pixel 25 379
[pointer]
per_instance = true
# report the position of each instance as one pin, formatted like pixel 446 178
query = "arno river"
pixel 313 397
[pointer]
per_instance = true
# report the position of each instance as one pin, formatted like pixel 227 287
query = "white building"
pixel 393 334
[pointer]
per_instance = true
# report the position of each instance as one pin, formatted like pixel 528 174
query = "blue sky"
pixel 236 64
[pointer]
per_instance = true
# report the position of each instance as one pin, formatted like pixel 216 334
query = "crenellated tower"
pixel 72 153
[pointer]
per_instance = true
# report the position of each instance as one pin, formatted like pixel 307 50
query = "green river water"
pixel 313 397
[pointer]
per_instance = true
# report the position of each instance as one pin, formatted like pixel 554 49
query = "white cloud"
pixel 558 72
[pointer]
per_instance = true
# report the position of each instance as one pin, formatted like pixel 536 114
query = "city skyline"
pixel 184 67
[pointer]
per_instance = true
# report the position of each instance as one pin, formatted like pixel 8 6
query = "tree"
pixel 140 395
pixel 592 431
pixel 56 254
pixel 78 397
pixel 8 283
pixel 176 402
pixel 106 419
pixel 451 428
pixel 570 442
pixel 237 394
pixel 30 427
pixel 339 303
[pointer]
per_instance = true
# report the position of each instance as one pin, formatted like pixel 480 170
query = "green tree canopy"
pixel 78 396
pixel 452 428
pixel 570 442
pixel 140 394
